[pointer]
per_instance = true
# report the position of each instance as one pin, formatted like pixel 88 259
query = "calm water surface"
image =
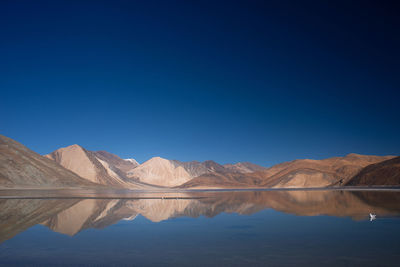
pixel 259 228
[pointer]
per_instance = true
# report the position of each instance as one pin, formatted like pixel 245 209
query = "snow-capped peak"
pixel 132 161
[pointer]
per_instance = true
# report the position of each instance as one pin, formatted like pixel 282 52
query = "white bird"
pixel 372 217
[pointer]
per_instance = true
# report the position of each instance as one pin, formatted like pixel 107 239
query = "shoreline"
pixel 113 193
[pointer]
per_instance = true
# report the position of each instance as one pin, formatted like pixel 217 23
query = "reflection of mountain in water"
pixel 71 216
pixel 17 215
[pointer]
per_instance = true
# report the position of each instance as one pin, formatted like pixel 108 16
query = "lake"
pixel 223 228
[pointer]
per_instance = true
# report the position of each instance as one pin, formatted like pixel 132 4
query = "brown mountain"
pixel 161 172
pixel 21 167
pixel 98 167
pixel 319 173
pixel 244 167
pixel 121 166
pixel 196 168
pixel 294 174
pixel 170 173
pixel 383 173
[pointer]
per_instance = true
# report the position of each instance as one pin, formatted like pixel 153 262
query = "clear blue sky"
pixel 259 81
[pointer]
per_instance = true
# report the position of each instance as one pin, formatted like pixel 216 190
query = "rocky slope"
pixel 105 168
pixel 159 171
pixel 383 173
pixel 108 169
pixel 21 167
pixel 98 167
pixel 319 173
pixel 244 167
pixel 297 173
pixel 121 166
pixel 170 173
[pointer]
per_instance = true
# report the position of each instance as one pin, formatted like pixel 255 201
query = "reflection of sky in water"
pixel 263 238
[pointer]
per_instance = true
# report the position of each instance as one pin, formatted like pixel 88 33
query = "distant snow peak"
pixel 131 218
pixel 133 161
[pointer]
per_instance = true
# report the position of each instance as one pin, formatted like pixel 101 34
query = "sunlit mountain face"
pixel 77 167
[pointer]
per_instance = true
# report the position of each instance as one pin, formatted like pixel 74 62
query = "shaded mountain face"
pixel 133 161
pixel 294 174
pixel 196 168
pixel 70 216
pixel 98 167
pixel 318 173
pixel 120 165
pixel 21 167
pixel 244 167
pixel 383 173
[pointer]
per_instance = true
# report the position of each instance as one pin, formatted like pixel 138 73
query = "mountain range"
pixel 294 174
pixel 75 166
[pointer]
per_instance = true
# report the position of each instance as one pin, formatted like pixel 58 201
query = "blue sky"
pixel 259 81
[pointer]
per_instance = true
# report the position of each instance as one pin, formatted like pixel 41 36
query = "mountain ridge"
pixel 22 167
pixel 293 174
pixel 84 168
pixel 384 173
pixel 99 167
